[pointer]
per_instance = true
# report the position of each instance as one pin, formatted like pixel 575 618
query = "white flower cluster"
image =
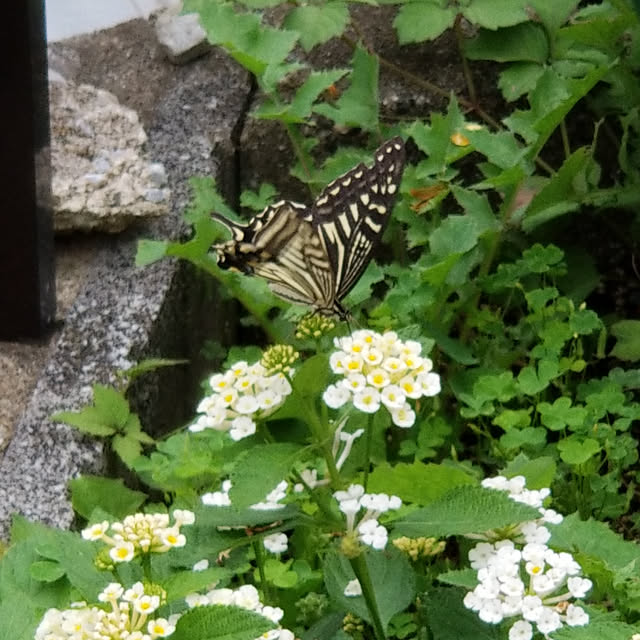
pixel 523 577
pixel 241 395
pixel 128 618
pixel 141 533
pixel 381 369
pixel 247 597
pixel 369 531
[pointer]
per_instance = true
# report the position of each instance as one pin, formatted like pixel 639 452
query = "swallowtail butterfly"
pixel 314 255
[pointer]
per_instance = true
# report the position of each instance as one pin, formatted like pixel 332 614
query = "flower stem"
pixel 367 451
pixel 258 551
pixel 360 568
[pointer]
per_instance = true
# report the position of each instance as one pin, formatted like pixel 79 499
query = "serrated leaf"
pixel 576 450
pixel 493 14
pixel 259 470
pixel 111 495
pixel 363 288
pixel 539 472
pixel 358 105
pixel 467 578
pixel 88 420
pixel 456 234
pixel 420 21
pixel 517 439
pixel 127 448
pixel 218 622
pixel 518 79
pixel 561 414
pixel 627 334
pixel 182 583
pixel 111 404
pixel 318 23
pixel 417 482
pixel 464 510
pixel 258 201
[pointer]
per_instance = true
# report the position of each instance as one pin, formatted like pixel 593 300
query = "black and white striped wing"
pixel 281 246
pixel 351 213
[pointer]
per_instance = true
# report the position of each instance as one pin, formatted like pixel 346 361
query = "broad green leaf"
pixel 539 472
pixel 464 510
pixel 218 622
pixel 627 334
pixel 392 579
pixel 576 450
pixel 538 299
pixel 318 23
pixel 127 448
pixel 358 105
pixel 493 14
pixel 607 628
pixel 111 404
pixel 595 540
pixel 553 14
pixel 417 482
pixel 312 375
pixel 517 439
pixel 449 619
pixel 501 148
pixel 420 21
pixel 111 495
pixel 467 578
pixel 19 617
pixel 513 419
pixel 585 321
pixel 259 470
pixel 363 288
pixel 182 583
pixel 518 79
pixel 477 207
pixel 456 234
pixel 525 42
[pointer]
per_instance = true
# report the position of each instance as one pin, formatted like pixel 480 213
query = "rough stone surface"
pixel 181 36
pixel 101 177
pixel 124 314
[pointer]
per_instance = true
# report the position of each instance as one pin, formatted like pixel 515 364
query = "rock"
pixel 101 178
pixel 182 38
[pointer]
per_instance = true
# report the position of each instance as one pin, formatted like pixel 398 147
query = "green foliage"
pixel 221 623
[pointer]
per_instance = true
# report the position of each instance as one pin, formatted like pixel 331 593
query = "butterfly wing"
pixel 351 213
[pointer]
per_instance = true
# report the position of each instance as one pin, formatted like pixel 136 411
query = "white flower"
pixel 490 611
pixel 392 397
pixel 578 587
pixel 404 416
pixel 201 565
pixel 276 543
pixel 221 596
pixel 353 588
pixel 367 400
pixel 272 613
pixel 378 378
pixel 353 382
pixel 247 597
pixel 480 554
pixel 531 608
pixel 521 630
pixel 336 396
pixel 548 621
pixel 96 531
pixel 242 427
pixel 146 604
pixel 373 534
pixel 576 616
pixel 122 551
pixel 160 628
pixel 111 592
pixel 216 499
pixel 430 384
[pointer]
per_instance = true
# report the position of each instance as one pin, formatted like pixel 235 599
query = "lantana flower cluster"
pixel 128 617
pixel 240 396
pixel 380 370
pixel 369 531
pixel 247 597
pixel 522 577
pixel 141 533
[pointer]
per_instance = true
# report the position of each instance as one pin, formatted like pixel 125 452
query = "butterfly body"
pixel 314 255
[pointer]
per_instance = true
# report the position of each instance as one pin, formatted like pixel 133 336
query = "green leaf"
pixel 312 375
pixel 501 148
pixel 467 578
pixel 420 21
pixel 182 583
pixel 392 579
pixel 456 234
pixel 88 420
pixel 607 628
pixel 19 616
pixel 217 622
pixel 493 14
pixel 577 450
pixel 563 191
pixel 561 414
pixel 417 482
pixel 627 334
pixel 525 42
pixel 539 472
pixel 150 251
pixel 516 440
pixel 46 571
pixel 258 201
pixel 151 364
pixel 259 470
pixel 128 449
pixel 318 23
pixel 518 79
pixel 464 510
pixel 513 419
pixel 111 495
pixel 363 288
pixel 553 14
pixel 358 105
pixel 111 404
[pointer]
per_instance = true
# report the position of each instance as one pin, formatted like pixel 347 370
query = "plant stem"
pixel 566 146
pixel 359 566
pixel 367 451
pixel 258 551
pixel 468 78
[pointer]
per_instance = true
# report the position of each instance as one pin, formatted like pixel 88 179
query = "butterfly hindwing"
pixel 315 255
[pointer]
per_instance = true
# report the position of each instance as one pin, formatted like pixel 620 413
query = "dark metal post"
pixel 27 277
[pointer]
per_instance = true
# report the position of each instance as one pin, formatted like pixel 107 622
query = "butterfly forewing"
pixel 351 213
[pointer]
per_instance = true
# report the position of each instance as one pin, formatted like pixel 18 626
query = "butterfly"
pixel 314 255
